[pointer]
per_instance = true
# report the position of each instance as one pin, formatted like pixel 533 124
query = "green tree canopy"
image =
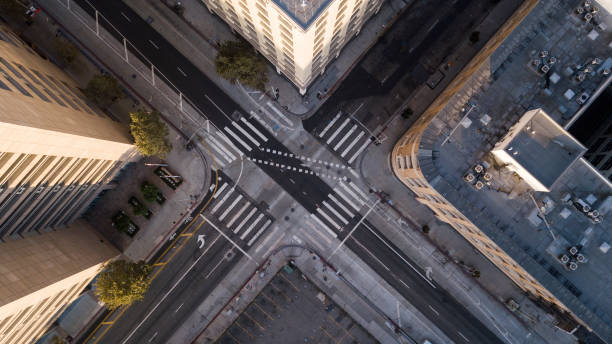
pixel 149 133
pixel 65 50
pixel 149 191
pixel 103 89
pixel 122 283
pixel 239 61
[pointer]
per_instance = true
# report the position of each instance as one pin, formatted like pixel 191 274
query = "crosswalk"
pixel 335 213
pixel 236 214
pixel 234 141
pixel 346 137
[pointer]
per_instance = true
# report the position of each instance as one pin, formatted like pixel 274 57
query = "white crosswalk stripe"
pixel 222 200
pixel 220 190
pixel 329 125
pixel 244 221
pixel 220 153
pixel 332 233
pixel 335 212
pixel 220 145
pixel 361 149
pixel 229 142
pixel 245 133
pixel 242 210
pixel 250 228
pixel 347 199
pixel 333 136
pixel 329 219
pixel 345 137
pixel 252 127
pixel 338 203
pixel 359 191
pixel 263 228
pixel 350 146
pixel 352 193
pixel 232 205
pixel 237 138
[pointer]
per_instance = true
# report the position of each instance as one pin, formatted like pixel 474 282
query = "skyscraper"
pixel 300 37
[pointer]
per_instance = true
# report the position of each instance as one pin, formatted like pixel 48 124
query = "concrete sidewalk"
pixel 197 32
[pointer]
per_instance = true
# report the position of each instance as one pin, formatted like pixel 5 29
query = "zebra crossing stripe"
pixel 350 132
pixel 252 127
pixel 333 136
pixel 221 153
pixel 222 200
pixel 229 142
pixel 245 133
pixel 359 191
pixel 320 211
pixel 237 138
pixel 335 212
pixel 246 205
pixel 245 220
pixel 227 151
pixel 263 228
pixel 220 190
pixel 348 148
pixel 346 198
pixel 250 228
pixel 350 192
pixel 332 233
pixel 329 125
pixel 361 149
pixel 227 211
pixel 348 212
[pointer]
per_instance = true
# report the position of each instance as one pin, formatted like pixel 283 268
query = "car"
pixel 583 98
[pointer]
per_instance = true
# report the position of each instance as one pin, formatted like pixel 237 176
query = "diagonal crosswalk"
pixel 346 137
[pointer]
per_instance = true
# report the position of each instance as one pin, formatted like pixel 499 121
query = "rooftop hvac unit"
pixel 552 60
pixel 580 76
pixel 573 250
pixel 564 259
pixel 487 177
pixel 545 68
pixel 596 61
pixel 572 266
pixel 588 17
pixel 536 62
pixel 580 258
pixel 469 177
pixel 594 213
pixel 588 70
pixel 543 53
pixel 478 168
pixel 579 10
pixel 606 71
pixel 479 185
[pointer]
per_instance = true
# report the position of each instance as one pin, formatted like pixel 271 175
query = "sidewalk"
pixel 200 30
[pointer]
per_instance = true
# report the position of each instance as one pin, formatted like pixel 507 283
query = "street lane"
pixel 218 107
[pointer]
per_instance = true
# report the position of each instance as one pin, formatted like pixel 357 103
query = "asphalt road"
pixel 384 257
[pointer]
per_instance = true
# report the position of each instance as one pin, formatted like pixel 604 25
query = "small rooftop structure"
pixel 303 12
pixel 538 149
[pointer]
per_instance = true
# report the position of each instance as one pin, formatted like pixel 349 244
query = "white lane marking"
pixel 333 136
pixel 222 200
pixel 370 253
pixel 250 228
pixel 280 114
pixel 154 335
pixel 245 220
pixel 434 310
pixel 170 291
pixel 329 125
pixel 156 47
pixel 237 138
pixel 216 266
pixel 220 151
pixel 332 233
pixel 229 142
pixel 350 146
pixel 246 205
pixel 268 238
pixel 359 191
pixel 433 25
pixel 346 210
pixel 220 190
pixel 346 198
pixel 259 232
pixel 402 258
pixel 320 211
pixel 179 307
pixel 462 336
pixel 241 129
pixel 335 212
pixel 227 211
pixel 404 283
pixel 126 17
pixel 179 69
pixel 252 127
pixel 350 132
pixel 226 151
pixel 359 151
pixel 350 192
pixel 328 240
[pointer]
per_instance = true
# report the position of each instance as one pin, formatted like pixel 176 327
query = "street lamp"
pixel 150 164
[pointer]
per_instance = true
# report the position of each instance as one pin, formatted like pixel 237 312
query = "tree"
pixel 12 9
pixel 122 283
pixel 103 90
pixel 239 61
pixel 149 191
pixel 149 133
pixel 66 51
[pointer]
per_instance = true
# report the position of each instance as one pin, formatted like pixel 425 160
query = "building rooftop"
pixel 303 12
pixel 536 228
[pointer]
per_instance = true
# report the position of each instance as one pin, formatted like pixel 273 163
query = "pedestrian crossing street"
pixel 345 136
pixel 236 214
pixel 342 205
pixel 228 144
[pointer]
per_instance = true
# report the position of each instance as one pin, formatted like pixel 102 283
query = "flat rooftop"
pixel 303 12
pixel 291 309
pixel 508 210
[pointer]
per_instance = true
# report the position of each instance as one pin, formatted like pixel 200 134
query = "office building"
pixel 492 158
pixel 57 151
pixel 299 37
